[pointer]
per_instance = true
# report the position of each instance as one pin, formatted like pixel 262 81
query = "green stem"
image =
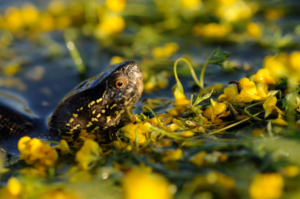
pixel 251 115
pixel 162 130
pixel 233 125
pixel 75 55
pixel 165 133
pixel 203 70
pixel 191 69
pixel 158 121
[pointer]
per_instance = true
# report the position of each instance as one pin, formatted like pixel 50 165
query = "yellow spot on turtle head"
pixel 96 129
pixel 75 127
pixel 103 111
pixel 122 111
pixel 114 105
pixel 81 108
pixel 94 119
pixel 89 124
pixel 75 115
pixel 108 119
pixel 90 104
pixel 99 115
pixel 99 100
pixel 94 111
pixel 71 120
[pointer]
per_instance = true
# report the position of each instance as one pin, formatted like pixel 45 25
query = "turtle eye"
pixel 120 83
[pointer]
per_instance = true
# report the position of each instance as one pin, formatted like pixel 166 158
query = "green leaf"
pixel 218 57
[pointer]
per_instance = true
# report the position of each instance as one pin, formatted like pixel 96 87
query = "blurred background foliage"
pixel 47 47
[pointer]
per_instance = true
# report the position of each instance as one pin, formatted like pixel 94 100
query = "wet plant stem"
pixel 251 115
pixel 165 133
pixel 234 124
pixel 191 69
pixel 75 55
pixel 158 120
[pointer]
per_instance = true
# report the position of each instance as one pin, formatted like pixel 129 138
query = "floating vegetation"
pixel 193 135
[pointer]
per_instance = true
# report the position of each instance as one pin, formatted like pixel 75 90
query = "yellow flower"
pixel 110 25
pixel 35 152
pixel 140 183
pixel 14 187
pixel 46 22
pixel 217 107
pixel 254 30
pixel 295 60
pixel 227 2
pixel 116 59
pixel 88 155
pixel 137 132
pixel 13 18
pixel 267 186
pixel 233 12
pixel 229 93
pixel 279 120
pixel 198 159
pixel 30 15
pixel 12 69
pixel 264 76
pixel 56 7
pixel 115 5
pixel 284 66
pixel 166 51
pixel 290 171
pixel 208 113
pixel 215 111
pixel 190 3
pixel 270 105
pixel 262 91
pixel 276 65
pixel 212 30
pixel 172 155
pixel 186 134
pixel 180 99
pixel 248 91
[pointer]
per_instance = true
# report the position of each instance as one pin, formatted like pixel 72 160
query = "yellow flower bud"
pixel 217 108
pixel 269 105
pixel 295 60
pixel 268 186
pixel 115 5
pixel 140 183
pixel 14 186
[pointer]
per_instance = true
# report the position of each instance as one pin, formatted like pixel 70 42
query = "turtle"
pixel 94 106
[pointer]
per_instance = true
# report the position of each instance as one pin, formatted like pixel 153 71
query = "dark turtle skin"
pixel 98 103
pixel 92 107
pixel 13 122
